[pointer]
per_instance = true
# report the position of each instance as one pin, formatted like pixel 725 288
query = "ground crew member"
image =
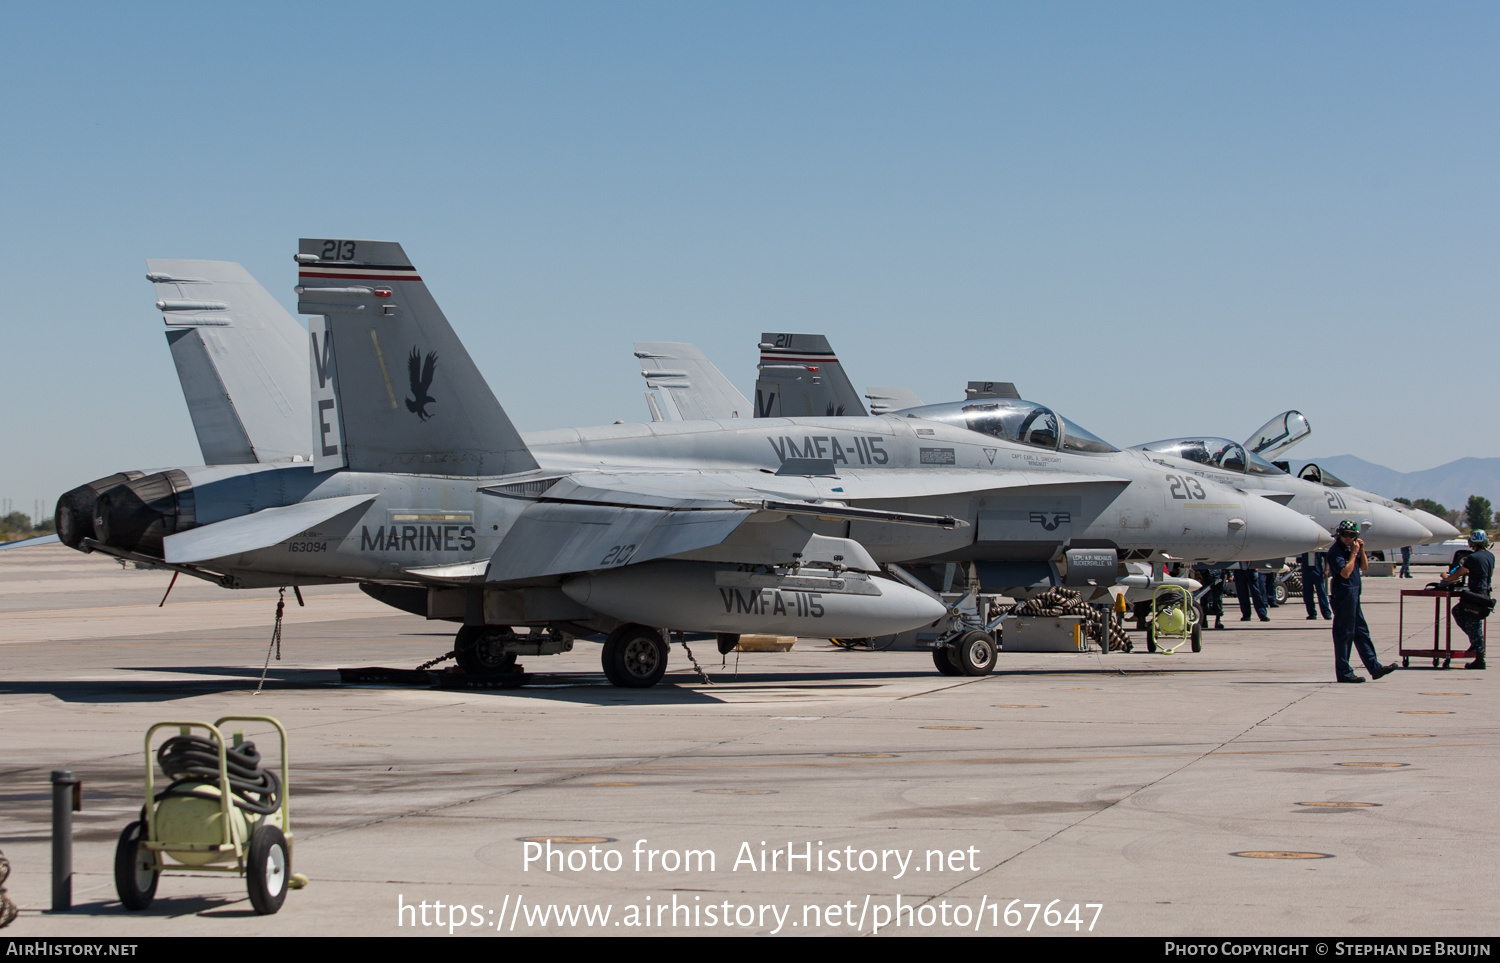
pixel 1346 560
pixel 1478 566
pixel 1312 584
pixel 1247 588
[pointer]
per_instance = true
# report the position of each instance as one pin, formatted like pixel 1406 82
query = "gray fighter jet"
pixel 422 490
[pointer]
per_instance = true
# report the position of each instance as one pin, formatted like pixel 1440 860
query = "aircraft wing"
pixel 589 521
pixel 262 529
pixel 698 390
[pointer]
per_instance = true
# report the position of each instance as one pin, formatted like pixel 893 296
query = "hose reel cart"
pixel 222 812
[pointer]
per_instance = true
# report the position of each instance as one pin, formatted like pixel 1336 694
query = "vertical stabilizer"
pixel 406 395
pixel 698 389
pixel 800 376
pixel 885 400
pixel 239 360
pixel 991 389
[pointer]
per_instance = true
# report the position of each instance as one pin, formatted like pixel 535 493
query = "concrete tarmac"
pixel 1133 787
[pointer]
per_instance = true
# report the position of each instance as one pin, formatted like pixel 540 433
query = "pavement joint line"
pixel 1137 790
pixel 565 776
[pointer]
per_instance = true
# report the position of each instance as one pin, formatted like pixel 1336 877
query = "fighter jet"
pixel 775 525
pixel 1228 462
pixel 1339 490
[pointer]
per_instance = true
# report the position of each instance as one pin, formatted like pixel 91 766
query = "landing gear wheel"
pixel 268 869
pixel 975 653
pixel 135 869
pixel 1150 636
pixel 942 657
pixel 479 650
pixel 1280 593
pixel 635 657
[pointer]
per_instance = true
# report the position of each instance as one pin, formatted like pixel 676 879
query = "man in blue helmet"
pixel 1478 567
pixel 1346 560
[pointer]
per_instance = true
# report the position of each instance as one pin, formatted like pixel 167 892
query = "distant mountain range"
pixel 1450 484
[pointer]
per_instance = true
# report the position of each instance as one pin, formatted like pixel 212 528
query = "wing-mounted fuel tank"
pixel 707 597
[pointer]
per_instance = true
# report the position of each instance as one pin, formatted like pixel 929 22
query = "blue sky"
pixel 1160 218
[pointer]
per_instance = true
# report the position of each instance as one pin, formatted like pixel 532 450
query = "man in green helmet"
pixel 1346 560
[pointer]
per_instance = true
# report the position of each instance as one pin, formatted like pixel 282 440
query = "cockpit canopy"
pixel 1015 420
pixel 1322 476
pixel 1216 452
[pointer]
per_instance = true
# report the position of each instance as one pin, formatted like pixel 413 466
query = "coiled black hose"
pixel 195 759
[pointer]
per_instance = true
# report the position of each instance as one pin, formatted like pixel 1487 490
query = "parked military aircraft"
pixel 422 490
pixel 1439 528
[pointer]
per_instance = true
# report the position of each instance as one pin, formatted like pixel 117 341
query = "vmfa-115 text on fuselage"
pixel 421 489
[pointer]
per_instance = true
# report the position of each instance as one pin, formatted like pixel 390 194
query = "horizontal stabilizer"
pixel 25 542
pixel 262 529
pixel 555 538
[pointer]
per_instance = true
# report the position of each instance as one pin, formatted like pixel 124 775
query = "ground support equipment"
pixel 221 813
pixel 1442 619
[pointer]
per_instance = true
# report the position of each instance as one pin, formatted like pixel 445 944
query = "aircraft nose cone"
pixel 1440 529
pixel 1275 531
pixel 1390 529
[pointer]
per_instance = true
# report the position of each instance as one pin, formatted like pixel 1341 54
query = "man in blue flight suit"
pixel 1312 584
pixel 1247 588
pixel 1346 560
pixel 1478 566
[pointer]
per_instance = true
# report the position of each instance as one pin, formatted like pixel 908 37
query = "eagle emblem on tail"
pixel 420 372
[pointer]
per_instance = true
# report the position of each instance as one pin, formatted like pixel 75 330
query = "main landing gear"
pixel 480 649
pixel 635 656
pixel 973 653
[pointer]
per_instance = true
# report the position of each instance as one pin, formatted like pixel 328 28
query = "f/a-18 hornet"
pixel 422 490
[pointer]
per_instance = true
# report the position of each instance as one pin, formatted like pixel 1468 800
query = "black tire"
pixel 477 650
pixel 1406 662
pixel 135 869
pixel 975 653
pixel 942 658
pixel 635 657
pixel 1281 593
pixel 1150 635
pixel 1197 636
pixel 268 869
